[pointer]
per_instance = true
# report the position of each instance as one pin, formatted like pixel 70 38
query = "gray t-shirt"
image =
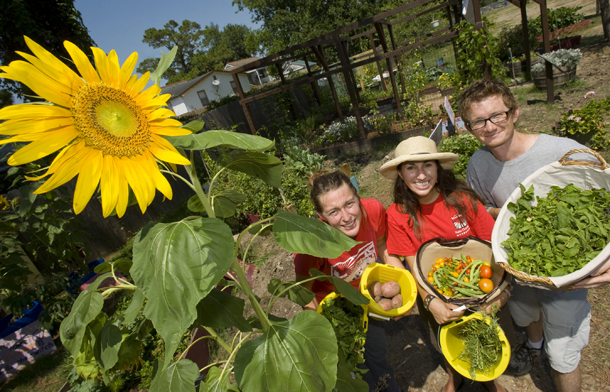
pixel 495 180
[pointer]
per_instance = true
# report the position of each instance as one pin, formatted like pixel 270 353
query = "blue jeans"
pixel 376 358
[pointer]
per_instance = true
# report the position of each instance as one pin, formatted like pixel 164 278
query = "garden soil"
pixel 418 366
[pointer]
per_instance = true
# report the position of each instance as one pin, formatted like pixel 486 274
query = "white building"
pixel 187 96
pixel 257 76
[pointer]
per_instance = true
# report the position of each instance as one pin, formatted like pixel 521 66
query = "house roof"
pixel 179 88
pixel 240 63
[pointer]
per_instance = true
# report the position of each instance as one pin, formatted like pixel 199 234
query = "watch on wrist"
pixel 427 301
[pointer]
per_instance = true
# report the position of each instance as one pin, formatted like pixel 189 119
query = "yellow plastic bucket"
pixel 452 346
pixel 385 273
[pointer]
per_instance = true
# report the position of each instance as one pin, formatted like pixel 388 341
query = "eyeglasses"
pixel 495 119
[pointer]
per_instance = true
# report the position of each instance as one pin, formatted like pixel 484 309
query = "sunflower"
pixel 3 203
pixel 108 129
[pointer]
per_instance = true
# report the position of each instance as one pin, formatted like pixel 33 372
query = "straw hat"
pixel 416 149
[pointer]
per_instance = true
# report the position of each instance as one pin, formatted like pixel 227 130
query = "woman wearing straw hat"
pixel 430 202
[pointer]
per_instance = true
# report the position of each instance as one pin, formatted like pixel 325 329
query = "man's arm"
pixel 599 278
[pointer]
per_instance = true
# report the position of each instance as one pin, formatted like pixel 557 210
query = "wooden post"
pixel 398 67
pixel 476 8
pixel 374 47
pixel 526 39
pixel 351 70
pixel 390 65
pixel 550 88
pixel 319 52
pixel 351 88
pixel 244 105
pixel 451 25
pixel 314 85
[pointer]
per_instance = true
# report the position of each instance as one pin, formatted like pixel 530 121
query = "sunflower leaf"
pixel 256 164
pixel 176 265
pixel 72 329
pixel 164 64
pixel 225 203
pixel 194 204
pixel 179 376
pixel 194 126
pixel 299 234
pixel 209 139
pixel 219 310
pixel 302 353
pixel 346 383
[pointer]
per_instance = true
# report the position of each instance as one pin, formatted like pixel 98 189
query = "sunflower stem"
pixel 198 188
pixel 171 173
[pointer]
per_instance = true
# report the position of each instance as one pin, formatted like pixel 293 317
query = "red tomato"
pixel 486 285
pixel 468 271
pixel 435 267
pixel 486 272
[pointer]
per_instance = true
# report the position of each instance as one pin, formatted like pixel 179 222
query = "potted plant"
pixel 564 69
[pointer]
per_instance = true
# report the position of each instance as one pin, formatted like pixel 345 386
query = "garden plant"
pixel 105 125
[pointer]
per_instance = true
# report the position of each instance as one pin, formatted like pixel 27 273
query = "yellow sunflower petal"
pixel 166 122
pixel 70 80
pixel 161 113
pixel 163 150
pixel 16 127
pixel 123 189
pixel 101 63
pixel 82 63
pixel 66 171
pixel 139 189
pixel 158 178
pixel 127 70
pixel 30 137
pixel 64 155
pixel 113 68
pixel 170 131
pixel 40 83
pixel 143 99
pixel 50 60
pixel 109 186
pixel 25 110
pixel 88 180
pixel 139 84
pixel 129 85
pixel 51 142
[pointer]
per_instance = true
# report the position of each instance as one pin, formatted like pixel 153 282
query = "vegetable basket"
pixel 477 248
pixel 333 295
pixel 383 273
pixel 452 346
pixel 584 174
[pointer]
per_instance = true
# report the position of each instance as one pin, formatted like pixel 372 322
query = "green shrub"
pixel 587 121
pixel 463 144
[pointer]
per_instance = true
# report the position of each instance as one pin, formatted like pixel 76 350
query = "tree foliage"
pixel 48 22
pixel 199 50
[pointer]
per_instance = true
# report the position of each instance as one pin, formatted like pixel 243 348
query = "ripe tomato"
pixel 466 279
pixel 439 260
pixel 468 271
pixel 430 279
pixel 435 267
pixel 486 285
pixel 486 272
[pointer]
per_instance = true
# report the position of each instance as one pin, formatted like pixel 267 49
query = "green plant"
pixel 477 53
pixel 463 144
pixel 588 120
pixel 561 58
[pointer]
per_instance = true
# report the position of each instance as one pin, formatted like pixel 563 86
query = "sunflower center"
pixel 109 120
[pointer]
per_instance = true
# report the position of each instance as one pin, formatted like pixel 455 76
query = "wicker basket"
pixel 583 174
pixel 476 248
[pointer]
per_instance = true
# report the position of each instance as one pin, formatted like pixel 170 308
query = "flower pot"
pixel 559 77
pixel 520 67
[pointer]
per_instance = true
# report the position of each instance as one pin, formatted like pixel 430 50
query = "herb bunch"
pixel 346 319
pixel 561 234
pixel 482 346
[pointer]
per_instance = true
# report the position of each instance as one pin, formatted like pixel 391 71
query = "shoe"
pixel 521 359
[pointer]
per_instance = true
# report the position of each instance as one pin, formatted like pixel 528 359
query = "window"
pixel 203 97
pixel 261 72
pixel 234 87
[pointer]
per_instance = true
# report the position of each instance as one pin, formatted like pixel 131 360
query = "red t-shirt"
pixel 437 221
pixel 350 265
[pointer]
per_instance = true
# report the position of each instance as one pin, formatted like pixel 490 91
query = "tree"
pixel 605 8
pixel 47 22
pixel 199 50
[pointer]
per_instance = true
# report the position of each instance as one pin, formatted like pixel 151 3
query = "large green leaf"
pixel 256 164
pixel 298 234
pixel 176 265
pixel 164 64
pixel 109 343
pixel 297 294
pixel 342 287
pixel 98 281
pixel 215 381
pixel 346 383
pixel 219 310
pixel 209 139
pixel 72 328
pixel 130 352
pixel 177 377
pixel 122 264
pixel 134 307
pixel 298 355
pixel 225 203
pixel 194 204
pixel 194 126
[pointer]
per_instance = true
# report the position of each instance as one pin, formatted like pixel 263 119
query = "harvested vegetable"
pixel 390 289
pixel 460 277
pixel 346 319
pixel 386 295
pixel 482 346
pixel 561 234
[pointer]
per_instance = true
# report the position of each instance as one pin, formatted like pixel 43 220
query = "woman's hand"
pixel 499 301
pixel 313 305
pixel 442 311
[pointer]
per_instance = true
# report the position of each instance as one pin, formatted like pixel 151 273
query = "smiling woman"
pixel 101 122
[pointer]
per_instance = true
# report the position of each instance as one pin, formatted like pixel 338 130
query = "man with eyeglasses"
pixel 558 320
